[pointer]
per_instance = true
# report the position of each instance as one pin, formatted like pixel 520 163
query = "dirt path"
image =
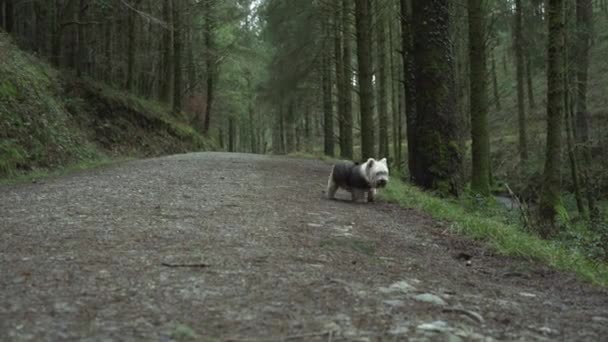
pixel 89 256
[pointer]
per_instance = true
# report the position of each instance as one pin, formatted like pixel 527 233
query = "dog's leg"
pixel 371 195
pixel 332 187
pixel 358 195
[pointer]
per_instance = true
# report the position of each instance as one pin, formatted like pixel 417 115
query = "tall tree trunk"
pixel 210 62
pixel 574 169
pixel 57 36
pixel 9 16
pixel 394 72
pixel 366 87
pixel 569 103
pixel 132 45
pixel 437 151
pixel 383 150
pixel 480 182
pixel 308 130
pixel 338 60
pixel 166 70
pixel 520 64
pixel 346 132
pixel 495 84
pixel 232 134
pixel 107 51
pixel 551 188
pixel 529 85
pixel 584 22
pixel 290 129
pixel 328 115
pixel 409 83
pixel 177 58
pixel 80 38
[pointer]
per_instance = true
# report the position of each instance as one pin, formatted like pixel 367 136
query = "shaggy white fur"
pixel 373 173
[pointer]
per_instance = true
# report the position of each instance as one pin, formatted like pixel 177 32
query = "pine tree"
pixel 550 197
pixel 437 149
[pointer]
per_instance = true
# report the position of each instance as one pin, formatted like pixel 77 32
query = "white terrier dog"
pixel 358 179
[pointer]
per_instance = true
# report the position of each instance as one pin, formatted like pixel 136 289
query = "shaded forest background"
pixel 465 98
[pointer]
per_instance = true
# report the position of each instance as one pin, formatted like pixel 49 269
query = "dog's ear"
pixel 370 163
pixel 383 161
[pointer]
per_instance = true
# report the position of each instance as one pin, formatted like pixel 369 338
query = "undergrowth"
pixel 52 121
pixel 507 237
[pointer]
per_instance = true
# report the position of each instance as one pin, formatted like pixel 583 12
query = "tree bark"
pixel 132 45
pixel 346 133
pixel 382 81
pixel 529 85
pixel 166 70
pixel 519 66
pixel 551 187
pixel 394 72
pixel 211 64
pixel 584 22
pixel 409 83
pixel 495 84
pixel 338 60
pixel 177 58
pixel 366 88
pixel 328 115
pixel 480 182
pixel 437 151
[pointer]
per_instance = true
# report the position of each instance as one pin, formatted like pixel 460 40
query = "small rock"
pixel 548 331
pixel 527 294
pixel 393 302
pixel 400 286
pixel 429 298
pixel 437 326
pixel 599 319
pixel 399 328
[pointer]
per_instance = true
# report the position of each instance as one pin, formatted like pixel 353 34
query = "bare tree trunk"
pixel 495 84
pixel 394 72
pixel 346 135
pixel 520 66
pixel 211 64
pixel 551 189
pixel 366 88
pixel 177 58
pixel 438 132
pixel 338 60
pixel 480 182
pixel 166 70
pixel 132 45
pixel 383 150
pixel 584 19
pixel 530 86
pixel 409 82
pixel 80 38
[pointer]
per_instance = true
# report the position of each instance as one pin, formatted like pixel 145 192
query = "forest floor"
pixel 215 246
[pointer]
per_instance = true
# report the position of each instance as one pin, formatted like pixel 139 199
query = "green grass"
pixel 507 239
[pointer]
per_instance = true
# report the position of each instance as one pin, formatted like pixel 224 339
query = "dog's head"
pixel 376 172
